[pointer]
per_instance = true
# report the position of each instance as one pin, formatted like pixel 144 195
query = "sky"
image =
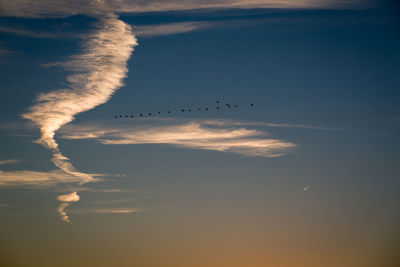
pixel 297 167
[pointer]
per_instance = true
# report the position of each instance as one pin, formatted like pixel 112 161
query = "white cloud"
pixel 188 134
pixel 64 8
pixel 73 197
pixel 275 125
pixel 37 34
pixel 9 161
pixel 170 28
pixel 36 179
pixel 115 211
pixel 66 201
pixel 99 71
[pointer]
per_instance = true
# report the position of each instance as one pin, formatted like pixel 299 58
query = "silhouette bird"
pixel 131 116
pixel 251 104
pixel 189 110
pixel 206 109
pixel 149 114
pixel 115 116
pixel 236 106
pixel 183 110
pixel 217 107
pixel 217 102
pixel 169 111
pixel 126 116
pixel 159 112
pixel 120 116
pixel 141 115
pixel 199 109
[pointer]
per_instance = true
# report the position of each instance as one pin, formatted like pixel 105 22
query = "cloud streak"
pixel 97 73
pixel 171 28
pixel 116 211
pixel 66 200
pixel 9 161
pixel 36 179
pixel 65 8
pixel 198 134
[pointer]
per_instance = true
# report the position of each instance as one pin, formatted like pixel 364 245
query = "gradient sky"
pixel 309 176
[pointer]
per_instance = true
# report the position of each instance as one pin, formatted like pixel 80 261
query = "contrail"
pixel 97 73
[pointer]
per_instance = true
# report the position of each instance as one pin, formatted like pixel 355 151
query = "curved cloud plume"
pixel 100 70
pixel 66 201
pixel 97 73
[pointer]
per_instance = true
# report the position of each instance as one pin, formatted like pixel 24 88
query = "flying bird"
pixel 218 107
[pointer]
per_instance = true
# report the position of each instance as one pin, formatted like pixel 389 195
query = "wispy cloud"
pixel 5 51
pixel 4 205
pixel 64 8
pixel 9 161
pixel 188 134
pixel 37 179
pixel 38 34
pixel 120 211
pixel 99 72
pixel 66 200
pixel 273 124
pixel 113 211
pixel 171 28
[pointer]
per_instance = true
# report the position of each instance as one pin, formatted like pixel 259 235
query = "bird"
pixel 251 104
pixel 206 109
pixel 169 111
pixel 115 116
pixel 236 106
pixel 159 112
pixel 183 110
pixel 189 110
pixel 149 114
pixel 217 107
pixel 217 102
pixel 141 115
pixel 132 116
pixel 199 109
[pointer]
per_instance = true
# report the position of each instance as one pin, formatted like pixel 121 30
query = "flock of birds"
pixel 149 114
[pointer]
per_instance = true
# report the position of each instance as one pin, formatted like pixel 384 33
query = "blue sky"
pixel 306 177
